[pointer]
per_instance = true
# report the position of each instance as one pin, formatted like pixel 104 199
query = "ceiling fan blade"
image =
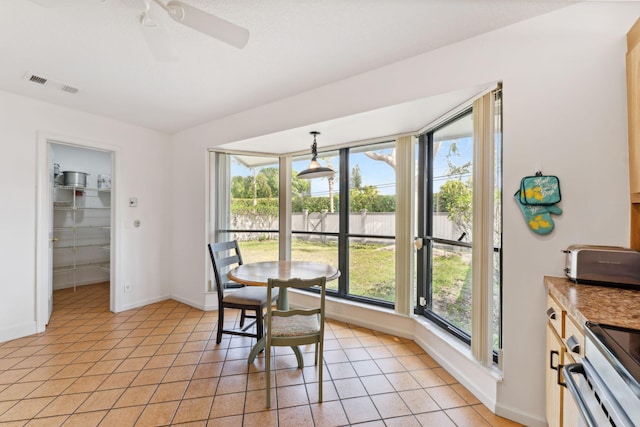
pixel 208 24
pixel 157 40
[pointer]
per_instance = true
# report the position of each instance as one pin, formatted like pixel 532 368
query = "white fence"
pixel 363 222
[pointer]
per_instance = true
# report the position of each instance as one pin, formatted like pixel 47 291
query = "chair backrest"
pixel 223 256
pixel 317 310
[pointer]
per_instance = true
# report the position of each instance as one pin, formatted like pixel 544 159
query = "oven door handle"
pixel 579 392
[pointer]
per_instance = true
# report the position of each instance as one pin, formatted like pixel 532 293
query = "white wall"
pixel 565 112
pixel 141 167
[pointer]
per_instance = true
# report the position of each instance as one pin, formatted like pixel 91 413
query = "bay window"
pixel 362 219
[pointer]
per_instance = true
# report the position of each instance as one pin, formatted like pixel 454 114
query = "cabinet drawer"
pixel 574 337
pixel 555 314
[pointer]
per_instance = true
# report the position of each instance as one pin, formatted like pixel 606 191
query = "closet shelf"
pixel 81 227
pixel 78 246
pixel 70 187
pixel 81 232
pixel 76 208
pixel 78 267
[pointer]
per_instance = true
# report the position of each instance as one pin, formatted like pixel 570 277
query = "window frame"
pixel 343 235
pixel 424 227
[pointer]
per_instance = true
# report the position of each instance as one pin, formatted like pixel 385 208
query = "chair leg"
pixel 320 366
pixel 267 372
pixel 242 316
pixel 259 324
pixel 220 324
pixel 315 360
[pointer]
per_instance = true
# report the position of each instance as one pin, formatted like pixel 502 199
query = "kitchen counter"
pixel 601 304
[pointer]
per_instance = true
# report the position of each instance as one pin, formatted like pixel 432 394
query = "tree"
pixel 356 177
pixel 299 187
pixel 272 177
pixel 262 189
pixel 389 159
pixel 455 198
pixel 264 183
pixel 238 187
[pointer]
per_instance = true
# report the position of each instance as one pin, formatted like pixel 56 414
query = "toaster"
pixel 603 265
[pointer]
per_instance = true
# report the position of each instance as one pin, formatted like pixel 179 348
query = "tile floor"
pixel 160 365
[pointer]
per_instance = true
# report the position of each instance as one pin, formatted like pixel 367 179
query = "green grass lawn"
pixel 372 266
pixel 452 289
pixel 372 272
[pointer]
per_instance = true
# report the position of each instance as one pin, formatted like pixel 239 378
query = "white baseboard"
pixel 516 415
pixel 137 304
pixel 376 318
pixel 18 331
pixel 456 359
pixel 210 303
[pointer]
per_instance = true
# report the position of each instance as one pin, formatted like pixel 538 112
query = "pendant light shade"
pixel 315 169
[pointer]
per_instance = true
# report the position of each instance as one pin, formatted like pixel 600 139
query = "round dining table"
pixel 259 273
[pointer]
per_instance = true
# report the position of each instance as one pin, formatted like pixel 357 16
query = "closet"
pixel 81 216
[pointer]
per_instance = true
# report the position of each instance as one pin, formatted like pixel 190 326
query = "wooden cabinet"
pixel 633 111
pixel 555 353
pixel 565 345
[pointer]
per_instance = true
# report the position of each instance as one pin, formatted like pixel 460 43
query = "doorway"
pixel 75 218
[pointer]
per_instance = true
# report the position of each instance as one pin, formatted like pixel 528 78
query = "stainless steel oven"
pixel 606 384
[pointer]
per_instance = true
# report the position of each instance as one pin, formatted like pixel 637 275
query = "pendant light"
pixel 315 169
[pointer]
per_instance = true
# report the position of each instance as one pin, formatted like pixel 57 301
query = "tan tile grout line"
pixel 155 324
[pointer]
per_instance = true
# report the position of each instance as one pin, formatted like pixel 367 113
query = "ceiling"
pixel 97 47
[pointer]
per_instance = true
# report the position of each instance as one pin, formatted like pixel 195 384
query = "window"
pixel 315 213
pixel 349 220
pixel 448 264
pixel 245 204
pixel 371 234
pixel 447 223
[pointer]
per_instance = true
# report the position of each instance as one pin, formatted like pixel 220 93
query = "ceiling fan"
pixel 159 42
pixel 206 23
pixel 182 13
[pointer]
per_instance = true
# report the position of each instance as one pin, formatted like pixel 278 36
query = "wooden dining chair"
pixel 244 298
pixel 295 327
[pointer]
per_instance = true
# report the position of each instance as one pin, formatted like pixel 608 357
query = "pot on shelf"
pixel 75 179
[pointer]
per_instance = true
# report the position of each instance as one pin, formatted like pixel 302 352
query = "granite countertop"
pixel 601 304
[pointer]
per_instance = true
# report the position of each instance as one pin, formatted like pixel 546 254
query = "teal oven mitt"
pixel 538 217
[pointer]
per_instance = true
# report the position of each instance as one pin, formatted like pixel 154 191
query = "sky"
pixel 374 172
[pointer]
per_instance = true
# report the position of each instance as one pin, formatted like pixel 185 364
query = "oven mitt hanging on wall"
pixel 537 217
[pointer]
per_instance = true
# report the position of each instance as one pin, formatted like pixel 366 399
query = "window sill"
pixel 367 316
pixel 456 358
pixel 457 345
